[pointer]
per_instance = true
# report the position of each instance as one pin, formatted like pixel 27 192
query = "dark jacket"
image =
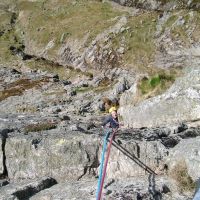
pixel 113 123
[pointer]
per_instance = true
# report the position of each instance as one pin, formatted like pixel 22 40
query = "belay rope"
pixel 102 172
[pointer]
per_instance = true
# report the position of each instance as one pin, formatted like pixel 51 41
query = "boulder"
pixel 180 103
pixel 187 151
pixel 75 155
pixel 61 157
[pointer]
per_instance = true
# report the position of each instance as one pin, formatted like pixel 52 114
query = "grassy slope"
pixel 43 21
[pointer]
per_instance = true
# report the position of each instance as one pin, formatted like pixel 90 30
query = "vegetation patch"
pixel 139 39
pixel 183 179
pixel 63 72
pixel 18 87
pixel 59 20
pixel 39 127
pixel 157 83
pixel 83 89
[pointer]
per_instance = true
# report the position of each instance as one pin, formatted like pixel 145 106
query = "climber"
pixel 112 120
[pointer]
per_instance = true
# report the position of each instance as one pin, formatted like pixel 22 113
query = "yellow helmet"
pixel 112 109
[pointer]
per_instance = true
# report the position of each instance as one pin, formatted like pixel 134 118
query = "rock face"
pixel 186 151
pixel 159 4
pixel 127 189
pixel 58 76
pixel 78 157
pixel 63 158
pixel 25 189
pixel 179 103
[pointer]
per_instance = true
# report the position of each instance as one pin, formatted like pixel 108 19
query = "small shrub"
pixel 183 179
pixel 39 127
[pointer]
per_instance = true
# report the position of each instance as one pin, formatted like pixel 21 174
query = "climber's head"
pixel 113 112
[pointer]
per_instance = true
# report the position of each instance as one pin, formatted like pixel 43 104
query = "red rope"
pixel 105 165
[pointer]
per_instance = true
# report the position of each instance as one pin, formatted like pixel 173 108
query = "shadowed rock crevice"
pixel 4 136
pixel 31 190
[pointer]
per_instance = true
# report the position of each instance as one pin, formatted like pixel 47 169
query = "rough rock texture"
pixel 159 4
pixel 186 151
pixel 74 157
pixel 63 158
pixel 156 188
pixel 25 189
pixel 179 103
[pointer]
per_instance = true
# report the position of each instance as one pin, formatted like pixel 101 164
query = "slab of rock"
pixel 180 103
pixel 25 189
pixel 61 157
pixel 147 188
pixel 76 156
pixel 188 151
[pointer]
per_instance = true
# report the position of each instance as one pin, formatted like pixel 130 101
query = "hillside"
pixel 64 63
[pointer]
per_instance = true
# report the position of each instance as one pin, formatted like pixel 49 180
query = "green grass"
pixel 9 38
pixel 157 83
pixel 139 39
pixel 75 19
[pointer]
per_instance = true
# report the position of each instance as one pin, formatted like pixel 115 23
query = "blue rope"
pixel 102 162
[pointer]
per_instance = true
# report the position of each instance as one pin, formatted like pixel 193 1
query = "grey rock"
pixel 182 127
pixel 170 142
pixel 121 86
pixel 25 189
pixel 121 50
pixel 121 189
pixel 190 133
pixel 66 82
pixel 74 127
pixel 63 157
pixel 187 151
pixel 179 103
pixel 3 183
pixel 73 93
pixel 64 116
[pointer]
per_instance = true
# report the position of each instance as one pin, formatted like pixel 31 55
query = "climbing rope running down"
pixel 102 173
